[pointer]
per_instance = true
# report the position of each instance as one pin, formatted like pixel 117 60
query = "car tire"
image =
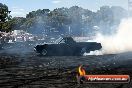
pixel 44 52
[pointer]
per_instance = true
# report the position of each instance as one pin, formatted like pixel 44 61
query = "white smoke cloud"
pixel 120 42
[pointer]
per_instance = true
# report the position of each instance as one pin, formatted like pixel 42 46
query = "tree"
pixel 75 20
pixel 17 23
pixel 109 16
pixel 4 18
pixel 39 12
pixel 3 12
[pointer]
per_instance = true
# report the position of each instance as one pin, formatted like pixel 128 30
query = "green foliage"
pixel 5 24
pixel 17 22
pixel 75 20
pixel 3 12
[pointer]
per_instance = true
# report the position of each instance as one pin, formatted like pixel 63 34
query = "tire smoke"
pixel 119 42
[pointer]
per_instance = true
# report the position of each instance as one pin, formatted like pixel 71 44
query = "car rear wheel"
pixel 44 52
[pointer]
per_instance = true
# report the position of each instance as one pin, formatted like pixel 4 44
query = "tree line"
pixel 74 21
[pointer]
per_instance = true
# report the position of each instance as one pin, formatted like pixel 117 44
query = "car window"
pixel 58 40
pixel 62 41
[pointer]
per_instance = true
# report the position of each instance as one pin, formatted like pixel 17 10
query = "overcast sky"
pixel 22 7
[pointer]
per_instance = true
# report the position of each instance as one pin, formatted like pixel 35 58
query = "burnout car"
pixel 67 47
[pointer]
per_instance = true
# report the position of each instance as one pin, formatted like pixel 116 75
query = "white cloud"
pixel 56 1
pixel 18 12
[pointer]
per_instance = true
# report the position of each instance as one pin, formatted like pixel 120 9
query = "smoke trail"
pixel 120 42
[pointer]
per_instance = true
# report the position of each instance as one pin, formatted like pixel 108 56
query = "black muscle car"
pixel 67 47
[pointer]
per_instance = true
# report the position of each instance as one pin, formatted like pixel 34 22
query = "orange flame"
pixel 81 71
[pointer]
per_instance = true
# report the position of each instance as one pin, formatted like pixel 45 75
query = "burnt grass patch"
pixel 41 72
